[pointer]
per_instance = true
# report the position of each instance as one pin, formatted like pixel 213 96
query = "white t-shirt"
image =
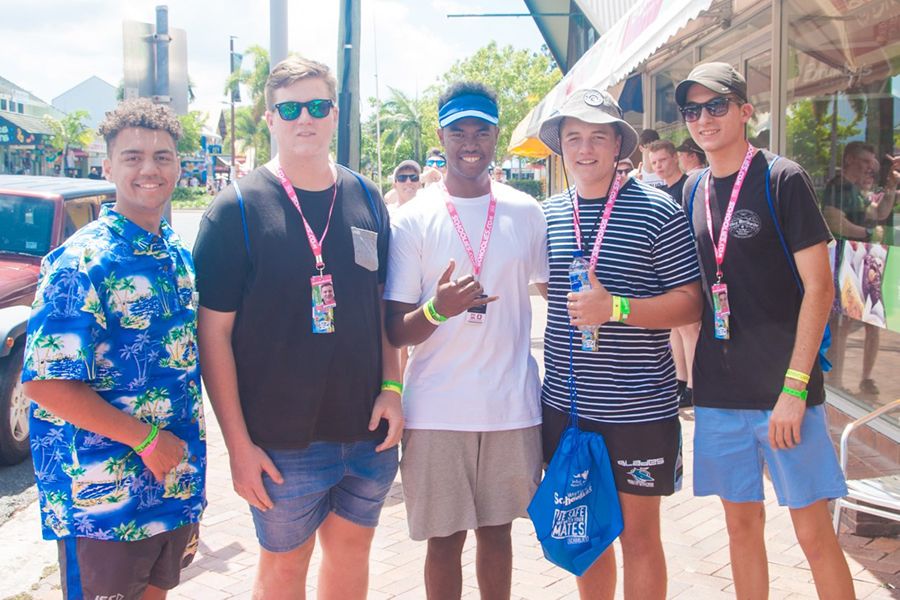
pixel 466 376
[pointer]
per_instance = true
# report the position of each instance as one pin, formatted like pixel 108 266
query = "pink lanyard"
pixel 719 249
pixel 477 262
pixel 315 244
pixel 604 221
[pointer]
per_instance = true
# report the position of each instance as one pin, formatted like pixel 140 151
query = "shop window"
pixel 666 118
pixel 841 122
pixel 2 104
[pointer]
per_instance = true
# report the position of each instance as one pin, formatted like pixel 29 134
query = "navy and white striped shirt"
pixel 648 250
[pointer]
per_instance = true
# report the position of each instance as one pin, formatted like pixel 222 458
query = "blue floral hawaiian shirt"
pixel 115 308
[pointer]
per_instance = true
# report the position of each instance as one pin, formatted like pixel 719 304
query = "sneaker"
pixel 867 386
pixel 686 399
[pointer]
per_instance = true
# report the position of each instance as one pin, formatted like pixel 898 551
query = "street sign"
pixel 214 149
pixel 139 55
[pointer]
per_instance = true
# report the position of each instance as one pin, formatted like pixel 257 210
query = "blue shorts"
pixel 731 445
pixel 349 479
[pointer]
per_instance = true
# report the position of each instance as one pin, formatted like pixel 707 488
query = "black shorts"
pixel 110 569
pixel 645 457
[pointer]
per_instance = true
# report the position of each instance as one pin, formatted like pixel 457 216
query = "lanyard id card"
pixel 323 303
pixel 590 339
pixel 477 314
pixel 720 299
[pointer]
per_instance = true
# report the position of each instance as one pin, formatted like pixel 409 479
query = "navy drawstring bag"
pixel 575 510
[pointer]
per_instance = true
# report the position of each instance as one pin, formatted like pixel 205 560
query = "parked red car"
pixel 36 215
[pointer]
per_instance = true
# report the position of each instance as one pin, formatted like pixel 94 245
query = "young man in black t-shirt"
pixel 290 269
pixel 757 383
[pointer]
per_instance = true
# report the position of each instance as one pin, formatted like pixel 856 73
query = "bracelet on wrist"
pixel 797 375
pixel 625 308
pixel 795 393
pixel 431 313
pixel 392 386
pixel 148 441
pixel 616 315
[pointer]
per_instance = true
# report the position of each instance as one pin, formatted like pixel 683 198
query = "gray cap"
pixel 717 77
pixel 590 106
pixel 408 164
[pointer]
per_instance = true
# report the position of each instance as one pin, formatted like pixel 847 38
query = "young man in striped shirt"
pixel 626 386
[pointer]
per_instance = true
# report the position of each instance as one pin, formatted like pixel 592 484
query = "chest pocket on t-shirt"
pixel 365 248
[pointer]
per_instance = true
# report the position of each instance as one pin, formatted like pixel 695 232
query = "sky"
pixel 53 45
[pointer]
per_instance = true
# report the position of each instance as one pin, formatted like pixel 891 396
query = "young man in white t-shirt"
pixel 461 260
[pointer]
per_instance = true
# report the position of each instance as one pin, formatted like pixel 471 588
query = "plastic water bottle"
pixel 579 281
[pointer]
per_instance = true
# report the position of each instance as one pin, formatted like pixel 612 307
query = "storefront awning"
pixel 633 39
pixel 19 130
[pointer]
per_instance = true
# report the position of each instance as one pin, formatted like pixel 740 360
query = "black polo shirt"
pixel 295 386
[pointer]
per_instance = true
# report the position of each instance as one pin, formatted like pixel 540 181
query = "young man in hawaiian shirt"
pixel 117 432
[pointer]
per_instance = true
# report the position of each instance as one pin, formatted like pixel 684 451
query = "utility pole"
pixel 235 94
pixel 377 98
pixel 278 44
pixel 348 84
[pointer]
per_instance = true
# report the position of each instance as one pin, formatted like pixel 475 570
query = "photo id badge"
pixel 477 314
pixel 720 300
pixel 323 303
pixel 590 339
pixel 721 328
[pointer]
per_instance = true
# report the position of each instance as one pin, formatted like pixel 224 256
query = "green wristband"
pixel 391 385
pixel 433 313
pixel 154 431
pixel 795 393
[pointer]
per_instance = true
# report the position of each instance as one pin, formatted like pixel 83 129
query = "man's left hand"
pixel 785 422
pixel 389 407
pixel 591 307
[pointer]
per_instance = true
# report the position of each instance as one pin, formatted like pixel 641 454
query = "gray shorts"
pixel 459 480
pixel 122 570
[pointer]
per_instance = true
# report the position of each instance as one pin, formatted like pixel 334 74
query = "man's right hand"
pixel 457 296
pixel 168 454
pixel 247 468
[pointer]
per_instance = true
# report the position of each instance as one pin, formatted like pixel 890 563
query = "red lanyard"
pixel 719 249
pixel 477 262
pixel 315 244
pixel 604 221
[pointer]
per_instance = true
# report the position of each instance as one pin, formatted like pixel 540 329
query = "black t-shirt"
pixel 675 190
pixel 747 371
pixel 295 386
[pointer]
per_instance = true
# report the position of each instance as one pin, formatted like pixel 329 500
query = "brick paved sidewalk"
pixel 693 534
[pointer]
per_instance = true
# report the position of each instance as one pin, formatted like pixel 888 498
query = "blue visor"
pixel 468 105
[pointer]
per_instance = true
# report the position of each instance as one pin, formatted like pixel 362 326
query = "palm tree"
pixel 249 128
pixel 69 132
pixel 401 120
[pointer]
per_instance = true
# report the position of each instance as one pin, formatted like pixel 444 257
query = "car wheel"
pixel 14 406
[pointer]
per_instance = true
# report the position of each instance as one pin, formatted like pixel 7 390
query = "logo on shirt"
pixel 640 471
pixel 745 223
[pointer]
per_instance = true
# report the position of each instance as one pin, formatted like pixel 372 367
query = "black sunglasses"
pixel 410 177
pixel 318 109
pixel 717 107
pixel 623 171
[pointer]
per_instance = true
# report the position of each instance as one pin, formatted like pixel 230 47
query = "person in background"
pixel 435 167
pixel 624 168
pixel 690 157
pixel 498 174
pixel 644 171
pixel 407 182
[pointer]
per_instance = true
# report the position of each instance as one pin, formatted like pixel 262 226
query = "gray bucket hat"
pixel 590 106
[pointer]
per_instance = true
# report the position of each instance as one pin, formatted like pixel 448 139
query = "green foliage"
pixel 250 130
pixel 70 131
pixel 809 134
pixel 187 197
pixel 191 126
pixel 521 79
pixel 532 187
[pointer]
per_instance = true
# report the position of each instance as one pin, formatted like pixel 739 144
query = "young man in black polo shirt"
pixel 758 387
pixel 290 266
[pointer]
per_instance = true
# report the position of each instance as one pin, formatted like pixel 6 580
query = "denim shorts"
pixel 732 445
pixel 349 479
